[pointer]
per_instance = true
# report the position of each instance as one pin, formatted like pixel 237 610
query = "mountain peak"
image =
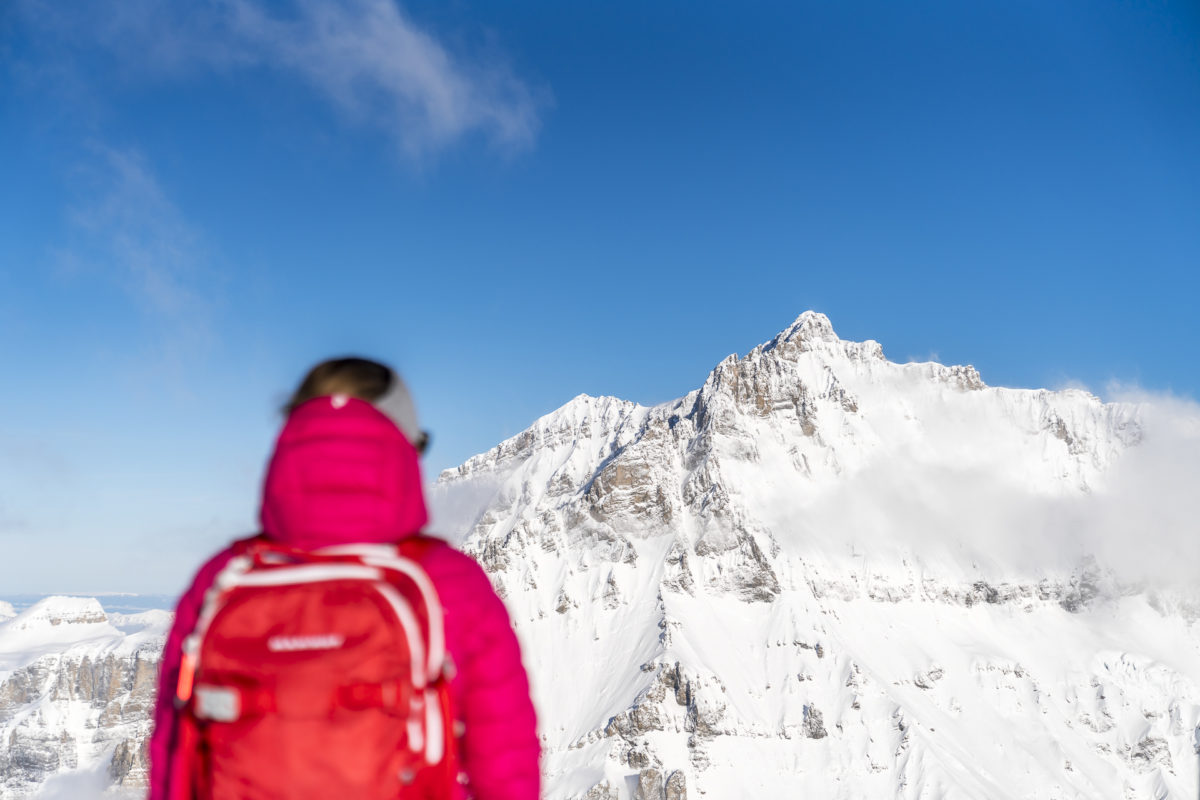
pixel 52 612
pixel 812 331
pixel 811 326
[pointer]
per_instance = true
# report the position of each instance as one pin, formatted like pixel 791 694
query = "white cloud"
pixel 371 60
pixel 367 58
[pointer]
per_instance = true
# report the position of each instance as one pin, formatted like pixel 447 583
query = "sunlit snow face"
pixel 924 621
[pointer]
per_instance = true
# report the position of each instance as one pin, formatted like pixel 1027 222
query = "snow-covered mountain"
pixel 76 688
pixel 821 574
pixel 824 574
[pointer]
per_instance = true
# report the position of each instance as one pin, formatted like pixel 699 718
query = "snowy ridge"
pixel 826 574
pixel 565 444
pixel 54 612
pixel 583 418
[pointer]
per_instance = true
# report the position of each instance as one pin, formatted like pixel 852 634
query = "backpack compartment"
pixel 309 686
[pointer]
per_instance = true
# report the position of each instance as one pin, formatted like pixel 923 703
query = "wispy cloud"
pixel 367 58
pixel 126 231
pixel 372 61
pixel 133 231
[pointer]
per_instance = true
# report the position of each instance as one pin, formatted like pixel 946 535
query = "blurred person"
pixel 313 660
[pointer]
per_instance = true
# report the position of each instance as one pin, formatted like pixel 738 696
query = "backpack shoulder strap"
pixel 418 546
pixel 243 546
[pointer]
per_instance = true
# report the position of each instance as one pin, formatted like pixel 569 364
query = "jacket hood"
pixel 341 473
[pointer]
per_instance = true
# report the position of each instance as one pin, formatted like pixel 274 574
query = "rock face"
pixel 826 574
pixel 76 694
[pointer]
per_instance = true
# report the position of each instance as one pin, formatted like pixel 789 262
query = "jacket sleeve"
pixel 500 742
pixel 162 738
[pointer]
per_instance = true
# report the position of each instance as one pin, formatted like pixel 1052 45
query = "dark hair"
pixel 357 377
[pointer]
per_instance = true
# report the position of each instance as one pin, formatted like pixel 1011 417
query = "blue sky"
pixel 518 202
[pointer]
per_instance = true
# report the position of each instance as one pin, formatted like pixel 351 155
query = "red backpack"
pixel 317 675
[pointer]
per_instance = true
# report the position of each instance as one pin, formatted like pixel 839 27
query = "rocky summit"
pixel 826 574
pixel 820 574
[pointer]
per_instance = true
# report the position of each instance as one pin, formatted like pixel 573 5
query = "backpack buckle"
pixel 218 703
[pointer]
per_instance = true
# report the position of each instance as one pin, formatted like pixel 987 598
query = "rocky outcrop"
pixel 130 763
pixel 676 788
pixel 649 785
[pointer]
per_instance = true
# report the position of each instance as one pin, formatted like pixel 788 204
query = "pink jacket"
pixel 344 473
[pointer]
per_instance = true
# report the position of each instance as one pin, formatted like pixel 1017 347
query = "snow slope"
pixel 824 574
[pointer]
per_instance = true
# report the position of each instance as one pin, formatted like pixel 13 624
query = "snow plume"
pixel 455 508
pixel 1137 519
pixel 1144 521
pixel 83 784
pixel 367 58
